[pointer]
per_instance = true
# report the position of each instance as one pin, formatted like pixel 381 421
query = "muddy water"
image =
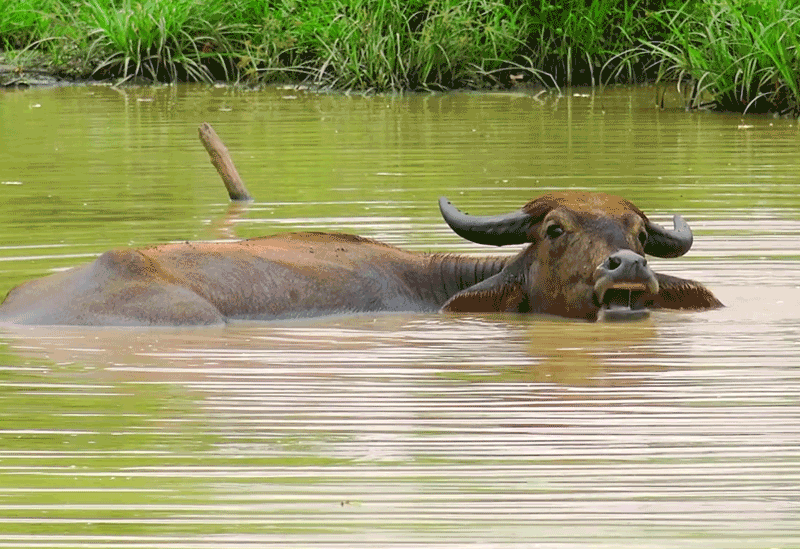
pixel 399 430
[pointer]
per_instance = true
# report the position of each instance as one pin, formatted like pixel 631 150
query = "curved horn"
pixel 495 230
pixel 665 243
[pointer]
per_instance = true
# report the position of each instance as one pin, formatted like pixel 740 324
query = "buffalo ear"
pixel 509 299
pixel 497 294
pixel 679 293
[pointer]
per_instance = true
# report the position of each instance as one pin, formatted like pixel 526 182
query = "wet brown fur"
pixel 281 276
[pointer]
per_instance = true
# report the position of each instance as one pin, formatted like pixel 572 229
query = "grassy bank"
pixel 729 55
pixel 738 54
pixel 360 44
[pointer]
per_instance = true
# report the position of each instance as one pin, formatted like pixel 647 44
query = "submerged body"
pixel 585 256
pixel 282 276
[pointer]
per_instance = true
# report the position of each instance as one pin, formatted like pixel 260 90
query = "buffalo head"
pixel 586 255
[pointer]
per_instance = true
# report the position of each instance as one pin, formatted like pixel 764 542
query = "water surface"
pixel 399 430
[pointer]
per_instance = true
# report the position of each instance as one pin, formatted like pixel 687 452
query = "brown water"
pixel 399 430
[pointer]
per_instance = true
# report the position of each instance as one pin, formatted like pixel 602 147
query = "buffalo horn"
pixel 495 230
pixel 665 243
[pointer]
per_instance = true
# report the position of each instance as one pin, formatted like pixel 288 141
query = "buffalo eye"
pixel 643 237
pixel 554 231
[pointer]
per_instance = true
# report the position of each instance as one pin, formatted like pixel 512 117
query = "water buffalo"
pixel 585 257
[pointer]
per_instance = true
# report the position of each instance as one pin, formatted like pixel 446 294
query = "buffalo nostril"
pixel 625 261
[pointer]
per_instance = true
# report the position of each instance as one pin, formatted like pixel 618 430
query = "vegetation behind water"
pixel 734 54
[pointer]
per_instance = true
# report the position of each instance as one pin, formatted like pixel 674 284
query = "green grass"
pixel 164 40
pixel 347 44
pixel 384 44
pixel 25 21
pixel 578 42
pixel 159 39
pixel 732 54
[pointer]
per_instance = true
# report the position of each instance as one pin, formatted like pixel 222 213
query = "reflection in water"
pixel 399 430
